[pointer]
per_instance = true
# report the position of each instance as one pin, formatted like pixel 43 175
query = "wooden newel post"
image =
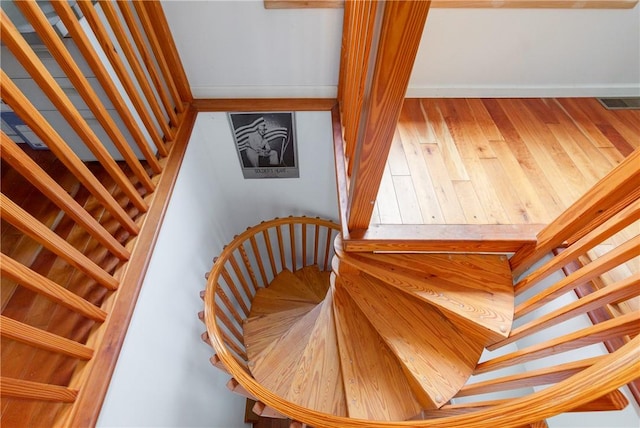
pixel 398 31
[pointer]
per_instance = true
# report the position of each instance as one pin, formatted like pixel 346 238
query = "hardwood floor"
pixel 499 161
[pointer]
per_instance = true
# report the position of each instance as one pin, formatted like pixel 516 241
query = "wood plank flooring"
pixel 499 161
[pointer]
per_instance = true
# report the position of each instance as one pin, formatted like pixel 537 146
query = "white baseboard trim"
pixel 265 91
pixel 626 90
pixel 630 90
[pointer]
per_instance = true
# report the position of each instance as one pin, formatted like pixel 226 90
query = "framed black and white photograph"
pixel 266 144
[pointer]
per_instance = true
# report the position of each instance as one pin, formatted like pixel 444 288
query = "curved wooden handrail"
pixel 606 375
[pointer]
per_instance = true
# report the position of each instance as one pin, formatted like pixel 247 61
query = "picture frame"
pixel 266 144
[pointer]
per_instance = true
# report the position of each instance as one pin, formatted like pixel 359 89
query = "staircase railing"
pixel 72 272
pixel 531 389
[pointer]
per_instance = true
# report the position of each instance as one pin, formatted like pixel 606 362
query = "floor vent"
pixel 621 103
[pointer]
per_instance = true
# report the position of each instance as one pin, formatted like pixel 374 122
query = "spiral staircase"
pixel 325 337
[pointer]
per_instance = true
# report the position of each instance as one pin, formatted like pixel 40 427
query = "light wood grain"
pixel 622 290
pixel 318 383
pixel 42 339
pixel 397 45
pixel 53 42
pixel 35 391
pixel 276 366
pixel 288 284
pixel 435 357
pixel 32 117
pixel 474 289
pixel 531 378
pixel 47 185
pixel 150 66
pixel 30 61
pixel 374 383
pixel 268 301
pixel 315 279
pixel 34 281
pixel 119 67
pixel 626 324
pixel 261 330
pixel 102 75
pixel 613 258
pixel 32 227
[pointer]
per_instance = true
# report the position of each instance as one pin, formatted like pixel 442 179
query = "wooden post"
pixel 397 44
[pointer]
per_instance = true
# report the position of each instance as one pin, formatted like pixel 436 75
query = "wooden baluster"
pixel 527 379
pixel 156 47
pixel 165 50
pixel 27 224
pixel 613 400
pixel 30 61
pixel 283 262
pixel 240 276
pixel 304 244
pixel 107 46
pixel 247 265
pixel 129 18
pixel 623 325
pixel 38 124
pixel 272 261
pixel 231 326
pixel 232 345
pixel 227 302
pixel 327 248
pixel 292 244
pixel 29 169
pixel 235 387
pixel 17 388
pixel 621 290
pixel 217 363
pixel 21 274
pixel 621 184
pixel 599 234
pixel 613 258
pixel 42 339
pixel 234 290
pixel 136 68
pixel 316 243
pixel 257 258
pixel 85 46
pixel 51 39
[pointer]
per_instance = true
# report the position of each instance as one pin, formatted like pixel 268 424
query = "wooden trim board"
pixel 469 4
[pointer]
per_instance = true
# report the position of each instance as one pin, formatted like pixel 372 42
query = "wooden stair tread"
pixel 317 383
pixel 477 288
pixel 288 284
pixel 435 356
pixel 261 330
pixel 276 366
pixel 268 301
pixel 318 281
pixel 374 382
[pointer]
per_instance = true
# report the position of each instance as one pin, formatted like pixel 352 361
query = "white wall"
pixel 529 52
pixel 163 377
pixel 239 49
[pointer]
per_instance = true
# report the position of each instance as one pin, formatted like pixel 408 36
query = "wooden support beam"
pixel 400 31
